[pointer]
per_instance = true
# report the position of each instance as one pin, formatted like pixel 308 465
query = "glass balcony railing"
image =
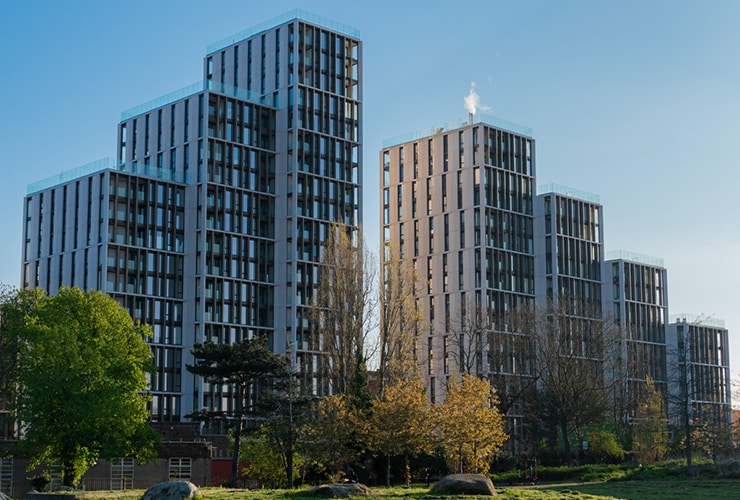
pixel 569 192
pixel 493 121
pixel 105 164
pixel 282 19
pixel 193 89
pixel 697 319
pixel 634 257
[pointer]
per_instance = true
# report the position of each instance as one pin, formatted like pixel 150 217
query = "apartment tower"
pixel 208 224
pixel 636 298
pixel 699 381
pixel 569 235
pixel 458 204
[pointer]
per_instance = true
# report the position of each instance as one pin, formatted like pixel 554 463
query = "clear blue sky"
pixel 638 102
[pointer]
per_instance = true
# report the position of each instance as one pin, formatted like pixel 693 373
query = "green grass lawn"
pixel 697 489
pixel 396 493
pixel 643 490
pixel 665 481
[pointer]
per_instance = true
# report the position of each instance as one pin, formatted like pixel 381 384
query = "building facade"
pixel 637 300
pixel 569 236
pixel 699 381
pixel 459 205
pixel 208 224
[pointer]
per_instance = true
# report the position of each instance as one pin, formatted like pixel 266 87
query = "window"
pixel 444 192
pixel 180 468
pixel 386 168
pixel 399 195
pixel 401 158
pixel 121 473
pixel 445 154
pixel 159 130
pixel 416 160
pixel 146 136
pixel 460 273
pixel 172 125
pixel 431 235
pixel 6 475
pixel 430 153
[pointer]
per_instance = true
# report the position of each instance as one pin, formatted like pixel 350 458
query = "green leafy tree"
pixel 265 459
pixel 471 429
pixel 81 373
pixel 244 365
pixel 399 422
pixel 286 408
pixel 11 343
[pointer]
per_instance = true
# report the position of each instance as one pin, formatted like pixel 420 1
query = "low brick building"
pixel 182 454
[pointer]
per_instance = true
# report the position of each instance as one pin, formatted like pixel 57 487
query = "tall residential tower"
pixel 699 381
pixel 458 204
pixel 569 232
pixel 208 224
pixel 637 300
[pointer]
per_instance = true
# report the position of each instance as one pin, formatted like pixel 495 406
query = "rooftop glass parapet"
pixel 697 319
pixel 504 124
pixel 282 19
pixel 446 127
pixel 195 88
pixel 634 257
pixel 105 164
pixel 569 192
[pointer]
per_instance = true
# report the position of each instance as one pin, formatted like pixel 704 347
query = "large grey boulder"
pixel 465 484
pixel 341 490
pixel 171 490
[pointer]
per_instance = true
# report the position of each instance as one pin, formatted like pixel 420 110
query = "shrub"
pixel 604 448
pixel 603 475
pixel 41 481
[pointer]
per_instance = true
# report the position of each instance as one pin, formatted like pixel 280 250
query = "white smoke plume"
pixel 472 101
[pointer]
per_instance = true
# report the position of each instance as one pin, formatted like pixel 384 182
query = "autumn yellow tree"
pixel 470 427
pixel 650 431
pixel 399 423
pixel 334 438
pixel 345 303
pixel 400 319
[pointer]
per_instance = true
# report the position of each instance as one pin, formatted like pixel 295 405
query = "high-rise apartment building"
pixel 208 224
pixel 569 236
pixel 636 297
pixel 699 381
pixel 459 204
